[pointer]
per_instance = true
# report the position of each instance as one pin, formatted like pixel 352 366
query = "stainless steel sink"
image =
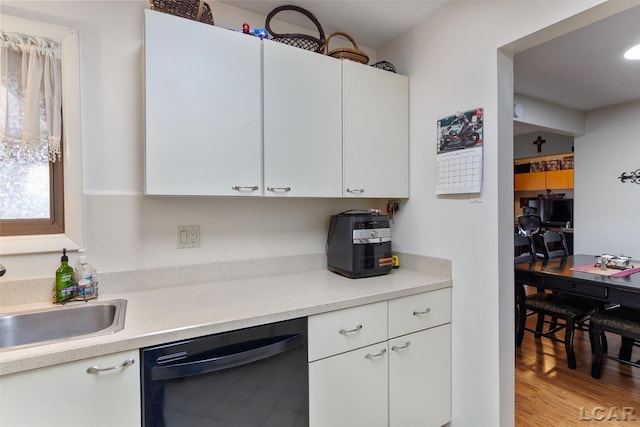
pixel 56 324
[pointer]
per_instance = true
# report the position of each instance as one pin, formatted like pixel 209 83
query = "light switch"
pixel 188 236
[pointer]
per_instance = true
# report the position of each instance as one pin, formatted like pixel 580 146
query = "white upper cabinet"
pixel 302 122
pixel 375 132
pixel 203 109
pixel 230 115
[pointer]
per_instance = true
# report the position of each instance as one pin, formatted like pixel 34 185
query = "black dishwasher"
pixel 257 376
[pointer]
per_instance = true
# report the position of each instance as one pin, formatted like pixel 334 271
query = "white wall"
pixel 123 229
pixel 523 145
pixel 607 211
pixel 453 63
pixel 549 115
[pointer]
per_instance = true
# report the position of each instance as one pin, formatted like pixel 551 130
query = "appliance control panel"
pixel 371 235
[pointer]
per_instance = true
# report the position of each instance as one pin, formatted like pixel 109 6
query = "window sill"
pixel 17 245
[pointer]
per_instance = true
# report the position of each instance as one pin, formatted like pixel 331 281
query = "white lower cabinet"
pixel 420 378
pixel 400 378
pixel 68 396
pixel 350 389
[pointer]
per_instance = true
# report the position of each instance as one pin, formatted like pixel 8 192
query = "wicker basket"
pixel 385 65
pixel 303 41
pixel 354 54
pixel 538 166
pixel 196 10
pixel 567 162
pixel 552 165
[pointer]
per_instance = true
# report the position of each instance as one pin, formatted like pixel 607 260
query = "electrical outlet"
pixel 188 236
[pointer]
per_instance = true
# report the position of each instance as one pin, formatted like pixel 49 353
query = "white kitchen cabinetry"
pixel 350 389
pixel 382 364
pixel 302 122
pixel 375 132
pixel 420 359
pixel 230 115
pixel 203 109
pixel 68 396
pixel 420 378
pixel 348 369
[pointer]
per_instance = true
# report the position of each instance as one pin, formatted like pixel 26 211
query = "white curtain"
pixel 30 96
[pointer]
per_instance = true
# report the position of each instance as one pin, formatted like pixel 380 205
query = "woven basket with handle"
pixel 354 54
pixel 196 10
pixel 303 41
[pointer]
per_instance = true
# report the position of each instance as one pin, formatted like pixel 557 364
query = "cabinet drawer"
pixel 339 331
pixel 575 288
pixel 417 312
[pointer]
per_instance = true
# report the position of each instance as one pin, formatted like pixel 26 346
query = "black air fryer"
pixel 359 244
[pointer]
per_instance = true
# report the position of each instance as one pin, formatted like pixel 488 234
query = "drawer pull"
pixel 373 356
pixel 350 331
pixel 402 347
pixel 355 190
pixel 422 313
pixel 241 188
pixel 96 370
pixel 279 189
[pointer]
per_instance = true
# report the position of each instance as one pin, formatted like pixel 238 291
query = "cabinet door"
pixel 529 181
pixel 67 396
pixel 375 132
pixel 420 378
pixel 559 180
pixel 203 109
pixel 350 389
pixel 302 122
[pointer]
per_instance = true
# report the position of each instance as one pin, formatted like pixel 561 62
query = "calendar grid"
pixel 460 171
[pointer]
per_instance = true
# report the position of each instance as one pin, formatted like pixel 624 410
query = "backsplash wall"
pixel 123 229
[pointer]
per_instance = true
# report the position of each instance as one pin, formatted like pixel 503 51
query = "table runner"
pixel 613 272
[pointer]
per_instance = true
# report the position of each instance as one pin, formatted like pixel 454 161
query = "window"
pixel 32 190
pixel 40 163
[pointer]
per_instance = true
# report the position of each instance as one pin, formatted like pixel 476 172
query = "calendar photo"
pixel 459 153
pixel 461 130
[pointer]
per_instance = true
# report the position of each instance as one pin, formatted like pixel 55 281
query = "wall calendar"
pixel 459 153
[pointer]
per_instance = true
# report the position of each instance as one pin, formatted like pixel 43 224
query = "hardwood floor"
pixel 549 394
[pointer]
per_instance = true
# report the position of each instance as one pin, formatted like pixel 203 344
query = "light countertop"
pixel 161 315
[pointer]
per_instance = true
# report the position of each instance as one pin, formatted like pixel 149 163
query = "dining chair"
pixel 524 250
pixel 566 312
pixel 554 244
pixel 621 321
pixel 528 225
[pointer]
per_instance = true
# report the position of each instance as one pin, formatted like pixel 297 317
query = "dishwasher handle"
pixel 255 351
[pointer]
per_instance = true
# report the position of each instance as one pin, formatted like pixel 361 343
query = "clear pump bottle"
pixel 87 279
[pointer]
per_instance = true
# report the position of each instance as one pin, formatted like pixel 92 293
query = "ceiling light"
pixel 633 53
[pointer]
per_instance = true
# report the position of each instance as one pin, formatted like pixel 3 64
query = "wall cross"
pixel 539 143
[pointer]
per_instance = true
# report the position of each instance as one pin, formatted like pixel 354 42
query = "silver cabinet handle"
pixel 373 356
pixel 241 188
pixel 422 313
pixel 350 331
pixel 96 370
pixel 355 190
pixel 402 347
pixel 277 189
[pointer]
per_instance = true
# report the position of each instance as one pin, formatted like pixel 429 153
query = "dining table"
pixel 580 275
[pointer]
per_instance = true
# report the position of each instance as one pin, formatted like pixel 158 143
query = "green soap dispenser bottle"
pixel 65 282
